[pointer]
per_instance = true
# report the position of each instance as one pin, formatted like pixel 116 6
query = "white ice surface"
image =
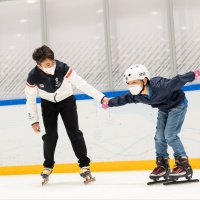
pixel 108 185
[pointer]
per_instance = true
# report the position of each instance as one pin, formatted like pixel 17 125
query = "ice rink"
pixel 108 185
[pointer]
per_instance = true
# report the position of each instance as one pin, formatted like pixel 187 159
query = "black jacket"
pixel 49 84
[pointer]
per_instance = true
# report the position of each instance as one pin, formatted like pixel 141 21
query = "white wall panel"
pixel 187 30
pixel 139 35
pixel 20 34
pixel 76 34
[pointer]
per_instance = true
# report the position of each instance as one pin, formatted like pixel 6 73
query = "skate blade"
pixel 172 182
pixel 154 182
pixel 89 179
pixel 46 180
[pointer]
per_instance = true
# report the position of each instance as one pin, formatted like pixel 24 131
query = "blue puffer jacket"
pixel 166 93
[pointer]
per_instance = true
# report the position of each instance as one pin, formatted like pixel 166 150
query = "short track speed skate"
pixel 86 174
pixel 45 175
pixel 161 171
pixel 182 170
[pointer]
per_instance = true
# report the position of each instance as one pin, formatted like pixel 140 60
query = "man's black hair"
pixel 42 53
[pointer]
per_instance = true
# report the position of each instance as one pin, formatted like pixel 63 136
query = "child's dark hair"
pixel 42 53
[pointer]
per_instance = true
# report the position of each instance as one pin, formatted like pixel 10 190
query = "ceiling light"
pixel 11 47
pixel 184 27
pixel 30 1
pixel 154 13
pixel 97 37
pixel 23 20
pixel 8 57
pixel 100 11
pixel 18 35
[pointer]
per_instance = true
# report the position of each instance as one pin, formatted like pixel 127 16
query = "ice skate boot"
pixel 162 169
pixel 45 175
pixel 86 174
pixel 182 169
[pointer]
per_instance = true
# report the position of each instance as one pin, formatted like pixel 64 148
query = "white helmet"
pixel 136 72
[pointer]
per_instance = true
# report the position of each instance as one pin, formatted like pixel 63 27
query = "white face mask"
pixel 135 89
pixel 50 70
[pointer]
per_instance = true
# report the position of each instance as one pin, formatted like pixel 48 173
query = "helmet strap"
pixel 142 87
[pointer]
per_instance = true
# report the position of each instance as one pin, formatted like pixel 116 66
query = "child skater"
pixel 166 95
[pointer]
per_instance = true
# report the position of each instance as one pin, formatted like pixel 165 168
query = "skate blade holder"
pixel 45 181
pixel 89 179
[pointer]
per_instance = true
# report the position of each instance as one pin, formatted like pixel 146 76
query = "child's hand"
pixel 105 102
pixel 105 105
pixel 197 74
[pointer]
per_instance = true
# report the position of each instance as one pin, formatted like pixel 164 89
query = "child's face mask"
pixel 135 89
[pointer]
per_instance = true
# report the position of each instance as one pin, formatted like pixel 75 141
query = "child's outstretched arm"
pixel 179 81
pixel 120 100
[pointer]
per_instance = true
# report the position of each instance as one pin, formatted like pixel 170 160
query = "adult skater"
pixel 53 80
pixel 169 98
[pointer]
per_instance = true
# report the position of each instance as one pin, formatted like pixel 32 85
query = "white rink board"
pixel 115 134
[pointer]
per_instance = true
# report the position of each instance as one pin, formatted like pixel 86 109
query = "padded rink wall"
pixel 117 138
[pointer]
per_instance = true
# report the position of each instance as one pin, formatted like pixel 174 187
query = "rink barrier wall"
pixel 95 167
pixel 8 102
